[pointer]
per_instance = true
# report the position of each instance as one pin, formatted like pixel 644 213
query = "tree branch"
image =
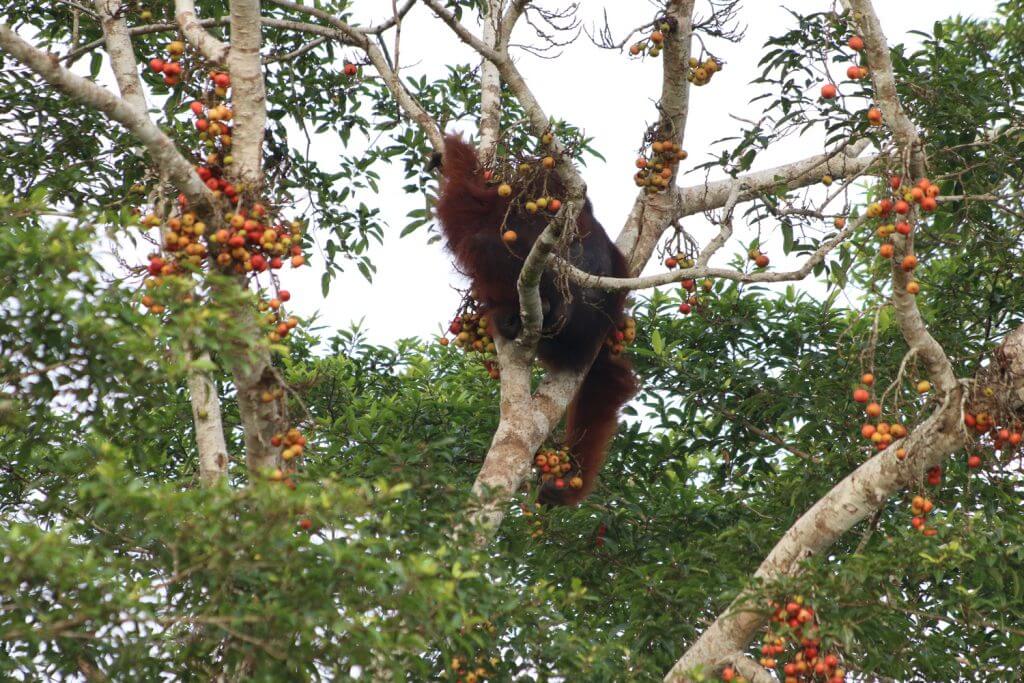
pixel 504 468
pixel 394 20
pixel 905 133
pixel 534 266
pixel 515 10
pixel 248 96
pixel 211 48
pixel 297 52
pixel 751 670
pixel 356 37
pixel 626 284
pixel 852 500
pixel 490 84
pixel 464 34
pixel 121 54
pixel 843 162
pixel 295 26
pixel 160 147
pixel 213 451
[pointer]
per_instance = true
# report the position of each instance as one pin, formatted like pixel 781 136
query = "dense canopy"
pixel 198 483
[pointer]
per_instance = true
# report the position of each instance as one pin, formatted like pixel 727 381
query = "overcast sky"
pixel 612 98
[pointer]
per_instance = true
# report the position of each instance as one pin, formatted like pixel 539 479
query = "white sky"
pixel 609 95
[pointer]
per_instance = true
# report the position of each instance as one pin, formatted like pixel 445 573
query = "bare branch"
pixel 398 36
pixel 304 27
pixel 876 49
pixel 213 451
pixel 121 54
pixel 515 10
pixel 700 270
pixel 490 84
pixel 604 38
pixel 725 227
pixel 464 34
pixel 210 47
pixel 80 8
pixel 297 52
pixel 839 163
pixel 394 20
pixel 248 96
pixel 539 121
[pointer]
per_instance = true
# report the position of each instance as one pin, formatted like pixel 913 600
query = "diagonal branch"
pixel 160 147
pixel 854 499
pixel 465 35
pixel 211 48
pixel 515 10
pixel 868 488
pixel 122 55
pixel 751 670
pixel 351 35
pixel 297 52
pixel 393 20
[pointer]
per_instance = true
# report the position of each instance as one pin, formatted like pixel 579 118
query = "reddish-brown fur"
pixel 473 216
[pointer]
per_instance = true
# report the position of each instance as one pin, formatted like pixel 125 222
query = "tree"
pixel 753 524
